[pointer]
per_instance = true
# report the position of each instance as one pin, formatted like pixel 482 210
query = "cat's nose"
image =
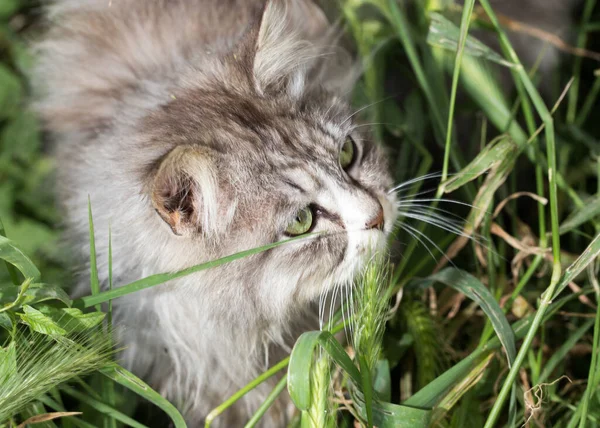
pixel 376 222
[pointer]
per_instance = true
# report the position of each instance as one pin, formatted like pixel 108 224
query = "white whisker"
pixel 411 233
pixel 416 180
pixel 430 241
pixel 429 176
pixel 448 227
pixel 364 108
pixel 449 201
pixel 431 210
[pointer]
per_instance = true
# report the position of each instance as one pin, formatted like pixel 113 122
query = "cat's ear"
pixel 184 191
pixel 287 39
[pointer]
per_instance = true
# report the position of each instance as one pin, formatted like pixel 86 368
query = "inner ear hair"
pixel 183 191
pixel 287 42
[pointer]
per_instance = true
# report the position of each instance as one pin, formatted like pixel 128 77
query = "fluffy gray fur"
pixel 198 128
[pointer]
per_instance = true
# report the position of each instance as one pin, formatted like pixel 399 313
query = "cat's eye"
pixel 348 153
pixel 301 223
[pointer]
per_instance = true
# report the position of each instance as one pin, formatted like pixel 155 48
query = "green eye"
pixel 301 223
pixel 347 153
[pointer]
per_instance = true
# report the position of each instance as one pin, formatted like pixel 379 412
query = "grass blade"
pixel 135 384
pixel 267 403
pixel 587 257
pixel 154 280
pixel 445 34
pixel 476 291
pixel 101 407
pixel 589 211
pixel 94 281
pixel 301 361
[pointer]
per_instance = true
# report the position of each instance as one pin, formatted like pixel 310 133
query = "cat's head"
pixel 266 148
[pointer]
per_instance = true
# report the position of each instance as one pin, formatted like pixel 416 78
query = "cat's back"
pixel 98 53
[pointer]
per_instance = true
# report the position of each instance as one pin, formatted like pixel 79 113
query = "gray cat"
pixel 199 129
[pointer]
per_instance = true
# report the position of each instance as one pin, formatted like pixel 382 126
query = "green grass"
pixel 505 333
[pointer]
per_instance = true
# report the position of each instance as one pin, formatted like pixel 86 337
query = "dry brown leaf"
pixel 497 230
pixel 538 33
pixel 38 419
pixel 501 205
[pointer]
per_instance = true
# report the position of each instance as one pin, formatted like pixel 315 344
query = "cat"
pixel 198 129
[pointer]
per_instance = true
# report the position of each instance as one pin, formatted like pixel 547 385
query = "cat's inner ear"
pixel 287 44
pixel 184 191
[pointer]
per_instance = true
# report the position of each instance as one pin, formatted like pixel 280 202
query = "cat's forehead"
pixel 273 130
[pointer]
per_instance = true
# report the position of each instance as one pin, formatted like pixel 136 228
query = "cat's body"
pixel 199 129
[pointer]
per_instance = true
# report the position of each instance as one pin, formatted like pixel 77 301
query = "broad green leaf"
pixel 388 415
pixel 433 392
pixel 479 293
pixel 491 157
pixel 588 212
pixel 301 361
pixel 445 34
pixel 13 255
pixel 35 293
pixel 39 322
pixel 73 320
pixel 339 356
pixel 460 388
pixel 135 384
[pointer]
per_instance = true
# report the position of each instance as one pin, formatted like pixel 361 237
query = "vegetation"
pixel 490 321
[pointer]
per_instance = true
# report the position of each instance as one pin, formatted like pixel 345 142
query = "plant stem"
pixel 267 403
pixel 249 387
pixel 556 272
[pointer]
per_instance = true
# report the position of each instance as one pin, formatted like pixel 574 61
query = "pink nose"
pixel 377 221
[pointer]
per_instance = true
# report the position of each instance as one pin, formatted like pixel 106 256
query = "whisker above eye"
pixel 362 125
pixel 366 107
pixel 416 180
